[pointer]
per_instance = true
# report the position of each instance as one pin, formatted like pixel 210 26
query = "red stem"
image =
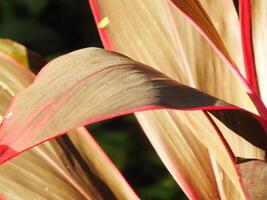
pixel 245 23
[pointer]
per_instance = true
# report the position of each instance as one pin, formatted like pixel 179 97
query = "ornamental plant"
pixel 193 73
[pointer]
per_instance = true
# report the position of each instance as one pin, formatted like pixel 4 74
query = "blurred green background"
pixel 55 27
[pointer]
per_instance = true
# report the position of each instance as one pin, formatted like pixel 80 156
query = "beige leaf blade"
pixel 34 110
pixel 101 164
pixel 183 155
pixel 254 173
pixel 158 36
pixel 23 184
pixel 194 11
pixel 207 71
pixel 51 171
pixel 68 93
pixel 259 37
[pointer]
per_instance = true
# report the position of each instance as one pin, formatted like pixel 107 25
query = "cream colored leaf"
pixel 91 84
pixel 224 17
pixel 51 171
pixel 101 165
pixel 259 36
pixel 34 177
pixel 225 185
pixel 183 154
pixel 156 34
pixel 115 84
pixel 213 76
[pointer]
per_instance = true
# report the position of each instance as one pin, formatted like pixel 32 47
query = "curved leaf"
pixel 200 19
pixel 24 184
pixel 49 168
pixel 157 35
pixel 104 85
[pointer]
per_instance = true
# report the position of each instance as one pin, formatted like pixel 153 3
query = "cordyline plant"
pixel 207 90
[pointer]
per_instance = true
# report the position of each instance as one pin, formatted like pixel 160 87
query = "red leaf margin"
pixel 245 24
pixel 218 108
pixel 224 55
pixel 250 84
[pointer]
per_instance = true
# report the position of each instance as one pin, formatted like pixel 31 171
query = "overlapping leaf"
pixel 91 84
pixel 223 78
pixel 156 34
pixel 200 19
pixel 52 171
pixel 152 42
pixel 30 180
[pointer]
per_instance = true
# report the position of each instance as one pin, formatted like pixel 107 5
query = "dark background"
pixel 55 27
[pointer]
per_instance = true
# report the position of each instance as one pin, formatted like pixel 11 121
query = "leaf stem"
pixel 245 24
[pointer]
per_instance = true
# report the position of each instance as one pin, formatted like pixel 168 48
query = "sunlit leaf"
pixel 34 177
pixel 13 51
pixel 259 30
pixel 52 171
pixel 101 166
pixel 183 155
pixel 158 35
pixel 194 11
pixel 104 85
